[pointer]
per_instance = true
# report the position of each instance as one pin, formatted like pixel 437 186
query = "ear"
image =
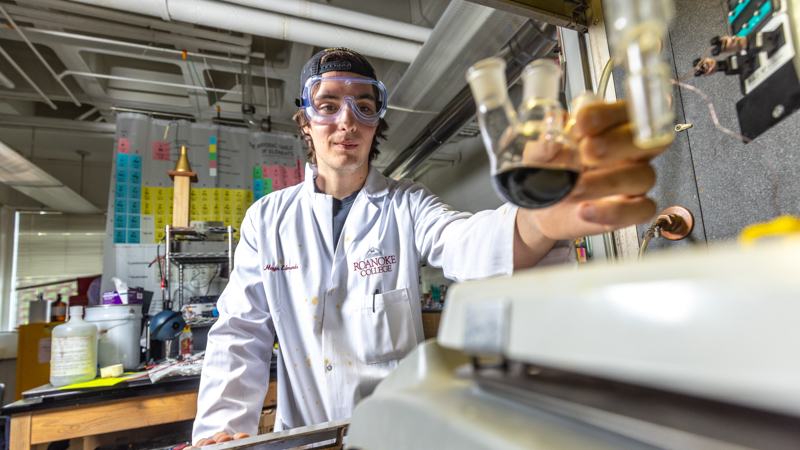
pixel 306 129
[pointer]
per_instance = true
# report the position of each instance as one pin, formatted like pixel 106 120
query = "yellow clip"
pixel 787 226
pixel 682 126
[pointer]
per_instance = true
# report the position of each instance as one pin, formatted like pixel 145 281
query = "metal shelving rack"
pixel 181 260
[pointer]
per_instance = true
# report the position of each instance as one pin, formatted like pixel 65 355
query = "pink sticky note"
pixel 160 151
pixel 124 145
pixel 212 164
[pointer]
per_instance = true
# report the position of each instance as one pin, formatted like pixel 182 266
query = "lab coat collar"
pixel 377 185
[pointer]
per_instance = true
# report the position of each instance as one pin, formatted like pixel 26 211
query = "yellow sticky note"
pixel 239 210
pixel 226 195
pixel 205 209
pixel 159 235
pixel 160 208
pixel 249 196
pixel 227 209
pixel 238 195
pixel 227 220
pixel 160 223
pixel 170 193
pixel 216 209
pixel 161 194
pixel 217 217
pixel 216 194
pixel 194 208
pixel 207 218
pixel 194 195
pixel 170 207
pixel 147 208
pixel 147 194
pixel 205 195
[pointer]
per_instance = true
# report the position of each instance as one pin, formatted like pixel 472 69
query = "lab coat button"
pixel 329 367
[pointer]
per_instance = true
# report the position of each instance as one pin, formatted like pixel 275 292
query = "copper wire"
pixel 708 66
pixel 697 67
pixel 768 159
pixel 732 44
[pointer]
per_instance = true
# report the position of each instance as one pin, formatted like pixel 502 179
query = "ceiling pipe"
pixel 57 124
pixel 86 114
pixel 27 78
pixel 39 55
pixel 534 40
pixel 60 20
pixel 339 16
pixel 137 46
pixel 146 22
pixel 5 81
pixel 263 23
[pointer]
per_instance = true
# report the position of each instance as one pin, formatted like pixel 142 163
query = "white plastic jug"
pixel 73 358
pixel 119 327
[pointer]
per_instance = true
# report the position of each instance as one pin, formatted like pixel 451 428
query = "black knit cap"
pixel 314 67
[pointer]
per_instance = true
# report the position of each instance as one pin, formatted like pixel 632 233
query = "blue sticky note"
pixel 136 177
pixel 258 185
pixel 122 176
pixel 122 190
pixel 135 192
pixel 133 236
pixel 120 221
pixel 212 140
pixel 120 206
pixel 122 160
pixel 136 162
pixel 119 236
pixel 134 207
pixel 133 221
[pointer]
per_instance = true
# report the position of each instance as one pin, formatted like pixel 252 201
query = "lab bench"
pixel 89 413
pixel 430 321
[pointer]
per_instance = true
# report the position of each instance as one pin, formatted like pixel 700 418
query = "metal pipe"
pixel 54 19
pixel 57 124
pixel 338 16
pixel 136 80
pixel 138 46
pixel 27 78
pixel 86 114
pixel 39 55
pixel 5 81
pixel 146 22
pixel 263 23
pixel 534 40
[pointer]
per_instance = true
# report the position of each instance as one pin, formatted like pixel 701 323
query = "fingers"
pixel 238 436
pixel 630 180
pixel 618 211
pixel 614 146
pixel 596 119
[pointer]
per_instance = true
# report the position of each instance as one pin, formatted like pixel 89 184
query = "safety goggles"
pixel 325 99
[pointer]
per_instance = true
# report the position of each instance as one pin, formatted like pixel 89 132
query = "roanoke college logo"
pixel 374 263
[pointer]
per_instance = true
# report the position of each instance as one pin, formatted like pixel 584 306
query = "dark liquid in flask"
pixel 532 187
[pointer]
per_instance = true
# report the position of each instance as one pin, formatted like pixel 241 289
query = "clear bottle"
pixel 73 358
pixel 533 164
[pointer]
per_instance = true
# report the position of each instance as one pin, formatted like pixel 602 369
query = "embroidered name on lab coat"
pixel 373 266
pixel 272 268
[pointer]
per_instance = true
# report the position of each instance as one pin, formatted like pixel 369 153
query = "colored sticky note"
pixel 136 177
pixel 160 194
pixel 120 221
pixel 160 208
pixel 122 176
pixel 161 222
pixel 194 195
pixel 205 195
pixel 170 206
pixel 267 186
pixel 134 207
pixel 226 195
pixel 123 145
pixel 256 173
pixel 227 209
pixel 122 160
pixel 213 155
pixel 133 221
pixel 239 209
pixel 205 208
pixel 133 236
pixel 119 236
pixel 216 209
pixel 216 194
pixel 120 206
pixel 136 162
pixel 194 208
pixel 248 196
pixel 121 191
pixel 170 193
pixel 238 195
pixel 212 140
pixel 135 192
pixel 160 235
pixel 160 151
pixel 147 208
pixel 227 220
pixel 207 218
pixel 258 185
pixel 147 193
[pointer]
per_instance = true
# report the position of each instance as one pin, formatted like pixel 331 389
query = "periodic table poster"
pixel 235 166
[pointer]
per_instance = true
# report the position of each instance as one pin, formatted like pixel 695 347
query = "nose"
pixel 347 120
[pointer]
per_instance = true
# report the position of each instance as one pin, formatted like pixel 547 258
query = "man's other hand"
pixel 219 438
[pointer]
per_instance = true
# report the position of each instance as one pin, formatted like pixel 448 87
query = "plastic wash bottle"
pixel 74 350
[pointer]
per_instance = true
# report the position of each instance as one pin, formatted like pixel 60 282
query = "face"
pixel 344 145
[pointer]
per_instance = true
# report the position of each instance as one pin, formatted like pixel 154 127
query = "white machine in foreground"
pixel 698 350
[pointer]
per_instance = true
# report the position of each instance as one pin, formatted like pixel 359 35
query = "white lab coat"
pixel 289 283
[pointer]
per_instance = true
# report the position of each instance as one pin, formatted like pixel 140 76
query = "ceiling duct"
pixel 26 177
pixel 534 40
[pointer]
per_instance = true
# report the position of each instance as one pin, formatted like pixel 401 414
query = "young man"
pixel 330 267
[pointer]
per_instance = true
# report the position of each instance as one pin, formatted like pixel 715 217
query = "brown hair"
pixel 301 120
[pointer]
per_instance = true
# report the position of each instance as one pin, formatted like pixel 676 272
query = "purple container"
pixel 135 297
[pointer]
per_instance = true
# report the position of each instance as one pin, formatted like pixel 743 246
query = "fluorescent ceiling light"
pixel 26 177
